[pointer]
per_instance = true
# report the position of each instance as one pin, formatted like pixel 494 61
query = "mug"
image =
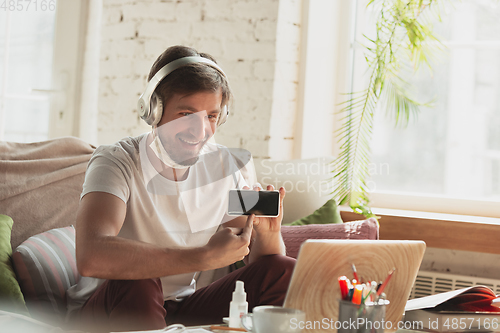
pixel 267 318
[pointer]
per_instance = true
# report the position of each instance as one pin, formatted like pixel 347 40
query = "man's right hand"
pixel 229 245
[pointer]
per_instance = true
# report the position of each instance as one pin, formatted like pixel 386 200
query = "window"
pixel 448 160
pixel 40 46
pixel 26 41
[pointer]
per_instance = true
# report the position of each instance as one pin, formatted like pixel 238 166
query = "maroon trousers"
pixel 125 305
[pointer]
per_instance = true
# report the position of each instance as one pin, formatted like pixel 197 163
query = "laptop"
pixel 314 286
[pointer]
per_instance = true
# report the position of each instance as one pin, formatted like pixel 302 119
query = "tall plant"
pixel 404 40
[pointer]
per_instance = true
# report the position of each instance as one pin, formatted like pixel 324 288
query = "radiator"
pixel 430 283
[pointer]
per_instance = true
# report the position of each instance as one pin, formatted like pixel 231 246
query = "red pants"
pixel 126 305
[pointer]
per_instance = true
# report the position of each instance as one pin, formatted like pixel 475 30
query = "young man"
pixel 151 211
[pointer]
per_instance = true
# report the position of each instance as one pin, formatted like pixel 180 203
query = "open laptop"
pixel 314 286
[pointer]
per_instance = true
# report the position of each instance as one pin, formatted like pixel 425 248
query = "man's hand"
pixel 267 231
pixel 265 225
pixel 229 245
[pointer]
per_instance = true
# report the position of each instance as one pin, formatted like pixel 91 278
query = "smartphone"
pixel 260 203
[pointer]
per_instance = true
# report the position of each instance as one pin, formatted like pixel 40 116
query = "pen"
pixel 366 292
pixel 384 284
pixel 355 273
pixel 373 291
pixel 382 297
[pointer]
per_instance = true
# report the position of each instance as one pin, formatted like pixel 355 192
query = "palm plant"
pixel 404 40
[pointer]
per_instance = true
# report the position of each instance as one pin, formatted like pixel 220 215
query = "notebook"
pixel 314 286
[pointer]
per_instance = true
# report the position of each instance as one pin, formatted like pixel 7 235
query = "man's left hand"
pixel 265 225
pixel 267 231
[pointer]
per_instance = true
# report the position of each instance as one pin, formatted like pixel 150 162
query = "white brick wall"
pixel 240 34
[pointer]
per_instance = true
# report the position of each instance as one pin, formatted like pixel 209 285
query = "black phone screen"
pixel 260 203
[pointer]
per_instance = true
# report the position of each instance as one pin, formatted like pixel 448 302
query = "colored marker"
pixel 344 288
pixel 357 294
pixel 350 293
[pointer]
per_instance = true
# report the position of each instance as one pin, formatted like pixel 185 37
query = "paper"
pixel 435 300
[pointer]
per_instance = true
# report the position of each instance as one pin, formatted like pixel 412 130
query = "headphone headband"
pixel 152 114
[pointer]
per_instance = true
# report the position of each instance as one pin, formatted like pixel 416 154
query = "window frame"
pixel 324 63
pixel 69 44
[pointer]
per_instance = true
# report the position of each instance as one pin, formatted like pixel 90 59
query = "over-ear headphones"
pixel 150 105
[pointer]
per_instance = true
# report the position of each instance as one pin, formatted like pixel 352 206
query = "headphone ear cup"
pixel 223 116
pixel 156 110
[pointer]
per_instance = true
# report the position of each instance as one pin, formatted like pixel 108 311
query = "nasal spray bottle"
pixel 238 306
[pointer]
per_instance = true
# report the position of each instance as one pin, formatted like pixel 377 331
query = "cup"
pixel 366 318
pixel 275 319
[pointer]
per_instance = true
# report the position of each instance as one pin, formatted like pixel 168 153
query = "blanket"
pixel 40 184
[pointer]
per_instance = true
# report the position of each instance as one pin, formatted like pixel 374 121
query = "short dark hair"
pixel 191 78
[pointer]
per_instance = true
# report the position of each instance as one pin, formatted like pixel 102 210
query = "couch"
pixel 40 186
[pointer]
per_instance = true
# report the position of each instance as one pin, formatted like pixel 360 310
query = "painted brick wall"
pixel 240 34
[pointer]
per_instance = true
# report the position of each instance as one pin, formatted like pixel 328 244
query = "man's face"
pixel 187 123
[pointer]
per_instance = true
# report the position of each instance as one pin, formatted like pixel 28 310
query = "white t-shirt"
pixel 183 214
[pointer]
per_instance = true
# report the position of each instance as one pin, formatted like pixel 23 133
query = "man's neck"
pixel 164 170
pixel 171 173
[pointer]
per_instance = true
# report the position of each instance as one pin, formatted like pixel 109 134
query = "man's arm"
pixel 101 253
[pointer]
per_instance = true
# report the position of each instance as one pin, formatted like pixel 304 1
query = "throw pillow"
pixel 46 267
pixel 294 236
pixel 326 214
pixel 11 297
